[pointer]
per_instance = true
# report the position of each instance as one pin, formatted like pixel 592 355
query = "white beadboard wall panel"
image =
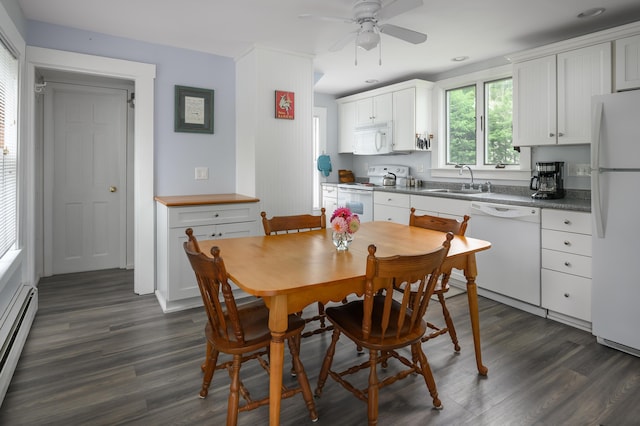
pixel 245 133
pixel 282 149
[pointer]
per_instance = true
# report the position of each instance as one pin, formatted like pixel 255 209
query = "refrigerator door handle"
pixel 595 168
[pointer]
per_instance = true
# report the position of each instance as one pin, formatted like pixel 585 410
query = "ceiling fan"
pixel 368 15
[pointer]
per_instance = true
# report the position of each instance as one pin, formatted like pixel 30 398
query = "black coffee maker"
pixel 548 183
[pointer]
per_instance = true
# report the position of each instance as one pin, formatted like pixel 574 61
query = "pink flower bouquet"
pixel 342 220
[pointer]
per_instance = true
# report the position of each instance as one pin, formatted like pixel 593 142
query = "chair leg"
pixel 303 381
pixel 321 314
pixel 449 322
pixel 326 364
pixel 209 368
pixel 421 358
pixel 234 392
pixel 293 366
pixel 372 397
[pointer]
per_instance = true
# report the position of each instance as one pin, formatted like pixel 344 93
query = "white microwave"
pixel 373 139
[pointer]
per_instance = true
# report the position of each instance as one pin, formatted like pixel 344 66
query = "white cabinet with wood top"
pixel 211 217
pixel 566 266
pixel 552 95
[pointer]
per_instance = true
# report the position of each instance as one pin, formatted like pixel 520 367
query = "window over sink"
pixel 475 115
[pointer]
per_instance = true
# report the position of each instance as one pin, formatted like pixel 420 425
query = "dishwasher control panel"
pixel 528 214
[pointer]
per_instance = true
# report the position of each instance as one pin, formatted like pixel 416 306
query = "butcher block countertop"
pixel 196 200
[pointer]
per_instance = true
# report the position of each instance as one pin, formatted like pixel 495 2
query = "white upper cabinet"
pixel 628 63
pixel 374 109
pixel 552 95
pixel 407 106
pixel 346 126
pixel 534 102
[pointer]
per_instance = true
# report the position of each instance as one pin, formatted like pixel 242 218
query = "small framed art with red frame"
pixel 285 104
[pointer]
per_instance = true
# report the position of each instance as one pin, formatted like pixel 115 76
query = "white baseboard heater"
pixel 15 323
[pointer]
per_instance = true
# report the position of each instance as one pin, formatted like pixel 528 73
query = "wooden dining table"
pixel 292 271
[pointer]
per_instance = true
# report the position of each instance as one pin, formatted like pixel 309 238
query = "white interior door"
pixel 85 178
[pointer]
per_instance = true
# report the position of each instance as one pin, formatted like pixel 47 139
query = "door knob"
pixel 112 189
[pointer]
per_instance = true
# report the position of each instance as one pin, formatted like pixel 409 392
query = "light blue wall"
pixel 176 154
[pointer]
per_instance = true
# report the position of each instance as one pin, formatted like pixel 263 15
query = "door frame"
pixel 143 76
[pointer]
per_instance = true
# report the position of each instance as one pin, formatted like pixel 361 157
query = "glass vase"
pixel 342 240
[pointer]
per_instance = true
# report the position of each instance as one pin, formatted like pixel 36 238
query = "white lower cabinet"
pixel 391 207
pixel 329 198
pixel 176 287
pixel 566 266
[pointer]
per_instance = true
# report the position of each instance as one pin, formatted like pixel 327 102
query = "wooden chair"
pixel 299 223
pixel 241 331
pixel 445 225
pixel 383 324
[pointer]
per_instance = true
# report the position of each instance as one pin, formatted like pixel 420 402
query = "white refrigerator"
pixel 615 207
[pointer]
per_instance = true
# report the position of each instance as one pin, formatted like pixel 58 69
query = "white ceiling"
pixel 482 30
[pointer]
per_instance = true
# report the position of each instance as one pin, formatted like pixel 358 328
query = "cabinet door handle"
pixel 567 263
pixel 560 134
pixel 551 135
pixel 567 222
pixel 566 295
pixel 567 243
pixel 216 215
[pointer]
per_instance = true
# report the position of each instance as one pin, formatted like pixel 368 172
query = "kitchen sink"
pixel 456 191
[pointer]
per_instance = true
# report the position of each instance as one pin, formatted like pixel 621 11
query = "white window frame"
pixel 439 166
pixel 11 262
pixel 319 148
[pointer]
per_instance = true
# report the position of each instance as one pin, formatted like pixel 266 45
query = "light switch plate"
pixel 202 173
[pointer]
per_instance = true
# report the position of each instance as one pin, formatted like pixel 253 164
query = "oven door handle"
pixel 354 191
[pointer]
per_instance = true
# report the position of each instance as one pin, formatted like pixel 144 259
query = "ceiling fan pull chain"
pixel 380 52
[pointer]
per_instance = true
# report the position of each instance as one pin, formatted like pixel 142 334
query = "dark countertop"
pixel 575 200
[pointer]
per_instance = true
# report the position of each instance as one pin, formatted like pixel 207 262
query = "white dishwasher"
pixel 511 267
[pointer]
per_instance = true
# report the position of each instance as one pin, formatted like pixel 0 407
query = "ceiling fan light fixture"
pixel 368 40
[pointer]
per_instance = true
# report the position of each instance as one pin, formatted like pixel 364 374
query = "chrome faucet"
pixel 462 167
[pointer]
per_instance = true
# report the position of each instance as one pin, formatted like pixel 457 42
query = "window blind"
pixel 9 148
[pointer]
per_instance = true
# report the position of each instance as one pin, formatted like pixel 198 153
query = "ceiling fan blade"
pixel 403 33
pixel 326 18
pixel 397 7
pixel 340 44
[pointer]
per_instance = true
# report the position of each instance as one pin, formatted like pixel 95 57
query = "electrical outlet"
pixel 420 168
pixel 202 173
pixel 579 169
pixel 583 170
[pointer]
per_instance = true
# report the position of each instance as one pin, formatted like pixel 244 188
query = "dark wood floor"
pixel 99 354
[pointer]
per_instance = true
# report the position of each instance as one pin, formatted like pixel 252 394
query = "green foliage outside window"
pixel 499 131
pixel 461 125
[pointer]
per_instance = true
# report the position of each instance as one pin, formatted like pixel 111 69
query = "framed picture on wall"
pixel 285 104
pixel 194 110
